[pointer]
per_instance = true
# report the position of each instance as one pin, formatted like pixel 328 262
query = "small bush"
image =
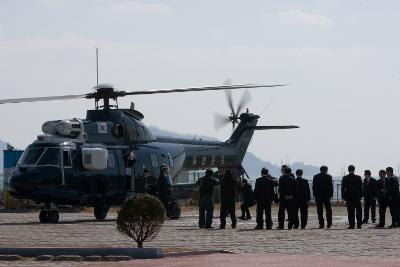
pixel 141 217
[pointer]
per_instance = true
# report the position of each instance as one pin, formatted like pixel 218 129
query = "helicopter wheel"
pixel 174 211
pixel 100 212
pixel 49 216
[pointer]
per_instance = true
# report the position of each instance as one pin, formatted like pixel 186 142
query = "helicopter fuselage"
pixel 86 162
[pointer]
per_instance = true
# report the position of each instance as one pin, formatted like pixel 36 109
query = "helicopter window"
pixel 50 157
pixel 31 155
pixel 111 161
pixel 170 160
pixel 154 161
pixel 66 159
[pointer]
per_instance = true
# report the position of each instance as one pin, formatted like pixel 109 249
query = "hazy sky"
pixel 341 58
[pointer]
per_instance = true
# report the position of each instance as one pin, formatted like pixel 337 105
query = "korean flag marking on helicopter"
pixel 102 127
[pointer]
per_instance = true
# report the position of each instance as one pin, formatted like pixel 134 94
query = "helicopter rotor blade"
pixel 229 99
pixel 38 99
pixel 220 121
pixel 197 89
pixel 246 98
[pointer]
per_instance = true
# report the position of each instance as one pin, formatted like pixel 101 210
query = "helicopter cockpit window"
pixel 170 160
pixel 31 155
pixel 154 161
pixel 50 157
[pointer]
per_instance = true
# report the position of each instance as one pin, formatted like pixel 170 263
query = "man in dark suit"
pixel 393 197
pixel 206 204
pixel 352 193
pixel 383 200
pixel 370 193
pixel 228 188
pixel 287 193
pixel 264 195
pixel 323 191
pixel 302 200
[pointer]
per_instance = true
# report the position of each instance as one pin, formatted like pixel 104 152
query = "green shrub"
pixel 141 217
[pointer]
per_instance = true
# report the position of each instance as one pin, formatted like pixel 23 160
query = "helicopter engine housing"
pixel 71 128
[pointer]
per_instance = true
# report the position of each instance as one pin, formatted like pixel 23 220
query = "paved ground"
pixel 81 230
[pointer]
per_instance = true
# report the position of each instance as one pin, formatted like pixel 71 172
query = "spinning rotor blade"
pixel 37 99
pixel 229 99
pixel 274 127
pixel 220 121
pixel 246 98
pixel 196 89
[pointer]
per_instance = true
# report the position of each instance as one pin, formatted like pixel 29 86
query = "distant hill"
pixel 251 163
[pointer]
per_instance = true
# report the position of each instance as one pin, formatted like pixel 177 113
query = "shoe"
pixel 248 218
pixel 258 227
pixel 222 227
pixel 303 227
pixel 201 227
pixel 358 226
pixel 233 226
pixel 279 228
pixel 379 226
pixel 373 221
pixel 329 226
pixel 364 221
pixel 321 227
pixel 350 227
pixel 268 228
pixel 295 227
pixel 208 227
pixel 241 218
pixel 392 226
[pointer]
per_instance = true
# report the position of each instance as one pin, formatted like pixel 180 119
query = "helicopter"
pixel 84 162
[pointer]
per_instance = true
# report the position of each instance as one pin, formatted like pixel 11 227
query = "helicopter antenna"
pixel 97 65
pixel 267 105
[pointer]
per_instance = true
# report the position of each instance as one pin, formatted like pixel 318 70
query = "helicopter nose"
pixel 20 182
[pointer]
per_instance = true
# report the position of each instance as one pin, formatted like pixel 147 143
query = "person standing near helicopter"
pixel 164 185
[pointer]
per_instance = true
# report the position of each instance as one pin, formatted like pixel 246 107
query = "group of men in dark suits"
pixel 293 195
pixel 292 192
pixel 385 190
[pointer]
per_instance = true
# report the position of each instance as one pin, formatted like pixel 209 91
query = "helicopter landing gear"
pixel 100 212
pixel 49 216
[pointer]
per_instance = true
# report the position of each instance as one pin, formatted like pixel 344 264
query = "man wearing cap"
pixel 302 200
pixel 323 192
pixel 264 194
pixel 352 193
pixel 206 205
pixel 287 193
pixel 370 193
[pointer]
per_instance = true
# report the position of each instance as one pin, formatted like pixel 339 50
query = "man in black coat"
pixel 228 187
pixel 302 200
pixel 248 199
pixel 370 193
pixel 323 191
pixel 206 205
pixel 383 200
pixel 264 194
pixel 393 197
pixel 287 193
pixel 352 193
